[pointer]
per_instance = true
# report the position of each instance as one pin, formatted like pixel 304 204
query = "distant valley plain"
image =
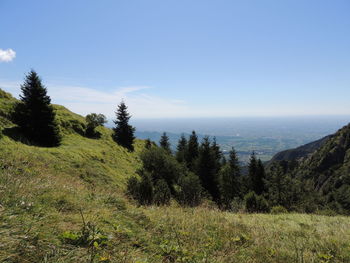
pixel 264 135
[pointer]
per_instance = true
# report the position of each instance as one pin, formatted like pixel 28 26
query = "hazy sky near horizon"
pixel 181 58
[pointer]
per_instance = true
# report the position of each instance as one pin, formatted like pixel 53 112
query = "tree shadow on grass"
pixel 92 134
pixel 15 134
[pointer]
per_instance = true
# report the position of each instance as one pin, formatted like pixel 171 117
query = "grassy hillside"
pixel 66 204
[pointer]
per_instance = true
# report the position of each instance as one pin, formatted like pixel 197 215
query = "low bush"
pixel 278 210
pixel 162 193
pixel 190 190
pixel 255 203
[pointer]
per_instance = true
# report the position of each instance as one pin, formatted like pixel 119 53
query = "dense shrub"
pixel 132 187
pixel 161 165
pixel 190 192
pixel 145 194
pixel 94 120
pixel 255 203
pixel 162 193
pixel 278 210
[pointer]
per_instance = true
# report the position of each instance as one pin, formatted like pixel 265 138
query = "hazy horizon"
pixel 230 126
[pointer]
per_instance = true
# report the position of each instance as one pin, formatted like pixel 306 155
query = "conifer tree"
pixel 164 142
pixel 217 155
pixel 259 179
pixel 123 132
pixel 181 149
pixel 252 169
pixel 229 180
pixel 233 161
pixel 206 169
pixel 192 151
pixel 35 115
pixel 256 175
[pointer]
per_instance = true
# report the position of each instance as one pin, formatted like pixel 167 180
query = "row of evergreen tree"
pixel 199 170
pixel 36 118
pixel 213 176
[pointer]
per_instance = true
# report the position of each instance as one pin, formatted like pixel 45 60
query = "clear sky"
pixel 182 58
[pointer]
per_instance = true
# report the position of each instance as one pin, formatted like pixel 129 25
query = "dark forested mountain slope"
pixel 330 164
pixel 326 163
pixel 300 152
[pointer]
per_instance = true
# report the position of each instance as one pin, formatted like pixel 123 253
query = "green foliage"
pixel 181 149
pixel 69 122
pixel 164 143
pixel 217 155
pixel 94 120
pixel 192 151
pixel 252 170
pixel 162 193
pixel 288 190
pixel 89 236
pixel 132 187
pixel 35 115
pixel 206 169
pixel 228 186
pixel 145 194
pixel 256 175
pixel 148 144
pixel 190 192
pixel 160 165
pixel 280 187
pixel 229 180
pixel 123 132
pixel 342 196
pixel 255 203
pixel 278 210
pixel 5 95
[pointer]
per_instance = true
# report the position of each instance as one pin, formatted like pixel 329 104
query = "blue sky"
pixel 182 58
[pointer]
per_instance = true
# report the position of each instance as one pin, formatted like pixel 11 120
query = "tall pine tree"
pixel 35 115
pixel 259 179
pixel 192 151
pixel 252 169
pixel 181 149
pixel 229 180
pixel 164 142
pixel 206 169
pixel 256 175
pixel 217 155
pixel 123 132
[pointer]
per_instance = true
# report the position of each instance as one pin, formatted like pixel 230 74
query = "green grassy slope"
pixel 54 201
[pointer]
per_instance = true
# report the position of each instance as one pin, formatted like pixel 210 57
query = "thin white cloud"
pixel 142 105
pixel 7 55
